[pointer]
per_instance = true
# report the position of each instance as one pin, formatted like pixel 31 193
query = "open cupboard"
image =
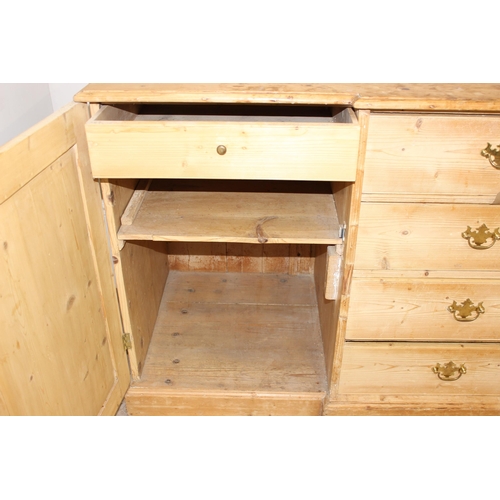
pixel 242 314
pixel 262 251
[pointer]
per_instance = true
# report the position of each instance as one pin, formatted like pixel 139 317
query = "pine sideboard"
pixel 247 249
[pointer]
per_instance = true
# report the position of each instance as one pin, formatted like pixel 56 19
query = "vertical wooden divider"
pixel 333 313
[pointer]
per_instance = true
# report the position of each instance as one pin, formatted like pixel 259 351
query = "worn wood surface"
pixel 421 408
pixel 405 369
pixel 426 274
pixel 91 194
pixel 135 202
pixel 228 333
pixel 392 309
pixel 327 309
pixel 31 152
pixel 424 236
pixel 141 270
pixel 305 150
pixel 333 272
pixel 429 157
pixel 251 212
pixel 241 258
pixel 58 314
pixel 200 403
pixel 348 200
pixel 432 97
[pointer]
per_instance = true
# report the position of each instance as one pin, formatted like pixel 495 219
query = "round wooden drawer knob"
pixel 221 150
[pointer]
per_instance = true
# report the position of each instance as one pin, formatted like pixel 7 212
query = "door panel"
pixel 60 351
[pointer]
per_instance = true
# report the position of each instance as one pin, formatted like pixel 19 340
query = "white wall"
pixel 22 105
pixel 62 93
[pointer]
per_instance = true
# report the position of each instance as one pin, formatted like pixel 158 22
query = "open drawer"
pixel 225 142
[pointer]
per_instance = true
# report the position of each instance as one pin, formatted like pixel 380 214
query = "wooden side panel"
pixel 327 309
pixel 141 270
pixel 144 267
pixel 59 337
pixel 348 200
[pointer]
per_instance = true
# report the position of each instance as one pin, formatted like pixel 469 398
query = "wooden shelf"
pixel 234 337
pixel 232 211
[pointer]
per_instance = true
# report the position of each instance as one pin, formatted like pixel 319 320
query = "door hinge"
pixel 127 342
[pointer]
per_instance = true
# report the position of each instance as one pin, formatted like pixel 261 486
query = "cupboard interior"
pixel 226 317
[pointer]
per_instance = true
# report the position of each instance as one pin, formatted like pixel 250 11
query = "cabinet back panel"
pixel 241 257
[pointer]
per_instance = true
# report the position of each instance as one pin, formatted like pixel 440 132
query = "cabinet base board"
pixel 236 404
pixel 384 409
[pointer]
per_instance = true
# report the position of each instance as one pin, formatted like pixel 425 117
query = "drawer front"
pixel 244 148
pixel 432 156
pixel 404 368
pixel 424 310
pixel 428 236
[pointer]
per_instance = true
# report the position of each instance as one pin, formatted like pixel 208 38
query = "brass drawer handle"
pixel 480 236
pixel 221 149
pixel 466 311
pixel 493 155
pixel 450 371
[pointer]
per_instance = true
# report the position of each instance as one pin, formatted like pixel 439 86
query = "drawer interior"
pixel 226 112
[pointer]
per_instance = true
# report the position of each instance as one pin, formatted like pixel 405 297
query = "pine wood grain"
pixel 400 368
pixel 421 408
pixel 55 347
pixel 240 257
pixel 348 200
pixel 91 194
pixel 195 403
pixel 141 270
pixel 255 335
pixel 391 309
pixel 405 96
pixel 31 152
pixel 135 202
pixel 265 149
pixel 61 330
pixel 236 212
pixel 428 157
pixel 416 236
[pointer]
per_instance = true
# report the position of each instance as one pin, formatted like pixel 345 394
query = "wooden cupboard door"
pixel 60 342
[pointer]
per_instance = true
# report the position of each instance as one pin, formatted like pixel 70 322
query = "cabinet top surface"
pixel 423 97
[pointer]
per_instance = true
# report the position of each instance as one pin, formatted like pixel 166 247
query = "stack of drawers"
pixel 423 327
